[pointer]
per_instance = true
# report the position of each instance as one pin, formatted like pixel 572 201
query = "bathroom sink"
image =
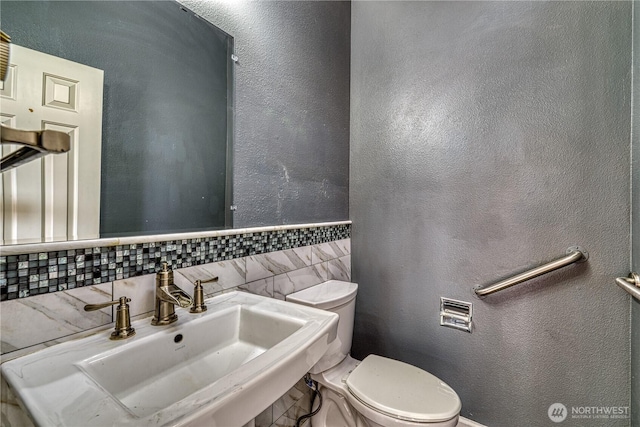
pixel 179 363
pixel 218 368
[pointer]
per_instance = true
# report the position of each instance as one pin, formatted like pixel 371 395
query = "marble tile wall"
pixel 42 318
pixel 288 408
pixel 37 320
pixel 29 324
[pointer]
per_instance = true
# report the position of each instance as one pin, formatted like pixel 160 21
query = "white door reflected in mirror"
pixel 56 197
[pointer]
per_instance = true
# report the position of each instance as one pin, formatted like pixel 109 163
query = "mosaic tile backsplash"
pixel 31 274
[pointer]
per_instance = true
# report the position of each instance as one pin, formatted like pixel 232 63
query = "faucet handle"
pixel 123 318
pixel 198 296
pixel 93 307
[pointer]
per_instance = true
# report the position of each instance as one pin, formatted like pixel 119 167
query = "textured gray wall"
pixel 291 154
pixel 486 138
pixel 291 139
pixel 635 258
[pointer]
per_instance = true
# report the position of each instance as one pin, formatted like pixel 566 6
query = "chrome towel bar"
pixel 630 284
pixel 574 254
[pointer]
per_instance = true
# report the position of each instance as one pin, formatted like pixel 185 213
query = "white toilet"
pixel 377 392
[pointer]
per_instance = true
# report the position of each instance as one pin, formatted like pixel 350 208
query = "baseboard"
pixel 465 422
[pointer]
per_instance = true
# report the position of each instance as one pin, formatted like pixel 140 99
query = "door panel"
pixel 58 196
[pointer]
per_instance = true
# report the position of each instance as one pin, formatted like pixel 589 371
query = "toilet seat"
pixel 402 391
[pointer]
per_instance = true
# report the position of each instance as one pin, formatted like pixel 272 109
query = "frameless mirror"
pixel 167 109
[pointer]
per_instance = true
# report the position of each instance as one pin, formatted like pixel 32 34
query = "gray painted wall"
pixel 635 258
pixel 291 139
pixel 291 155
pixel 486 138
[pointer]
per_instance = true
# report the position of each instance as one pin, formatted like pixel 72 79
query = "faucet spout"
pixel 174 295
pixel 168 295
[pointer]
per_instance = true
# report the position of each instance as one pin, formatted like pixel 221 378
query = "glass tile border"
pixel 30 274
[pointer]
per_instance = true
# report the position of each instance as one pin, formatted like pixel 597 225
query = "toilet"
pixel 378 391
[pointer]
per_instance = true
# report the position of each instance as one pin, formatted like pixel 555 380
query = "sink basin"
pixel 218 368
pixel 182 362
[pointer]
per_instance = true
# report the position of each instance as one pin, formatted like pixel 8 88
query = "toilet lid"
pixel 402 390
pixel 326 295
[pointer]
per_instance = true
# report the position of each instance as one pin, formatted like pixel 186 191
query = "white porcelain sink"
pixel 219 368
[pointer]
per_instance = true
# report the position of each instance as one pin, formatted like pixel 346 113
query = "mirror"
pixel 167 109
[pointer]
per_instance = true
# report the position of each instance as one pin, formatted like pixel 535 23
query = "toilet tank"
pixel 338 297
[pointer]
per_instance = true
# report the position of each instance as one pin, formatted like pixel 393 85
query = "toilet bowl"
pixel 377 392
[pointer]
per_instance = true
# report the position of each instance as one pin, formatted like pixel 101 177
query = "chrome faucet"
pixel 168 295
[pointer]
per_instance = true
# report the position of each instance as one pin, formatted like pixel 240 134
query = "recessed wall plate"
pixel 456 314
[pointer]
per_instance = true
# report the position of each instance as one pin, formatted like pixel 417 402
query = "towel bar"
pixel 574 254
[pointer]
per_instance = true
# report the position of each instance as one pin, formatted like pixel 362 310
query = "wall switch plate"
pixel 456 314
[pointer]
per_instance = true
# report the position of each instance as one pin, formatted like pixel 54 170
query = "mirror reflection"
pixel 166 112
